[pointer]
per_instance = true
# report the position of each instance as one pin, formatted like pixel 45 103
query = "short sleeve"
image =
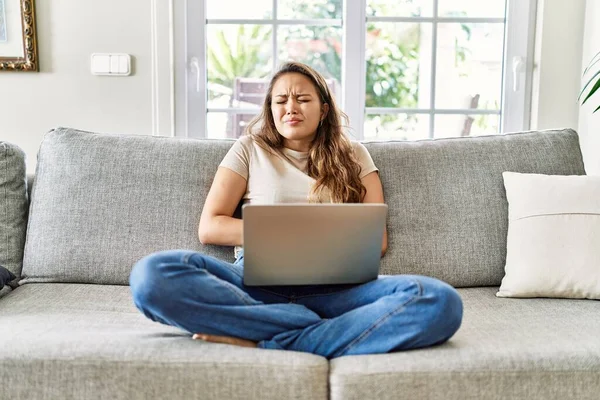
pixel 364 159
pixel 237 158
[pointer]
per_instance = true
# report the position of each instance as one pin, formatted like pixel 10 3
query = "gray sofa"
pixel 100 202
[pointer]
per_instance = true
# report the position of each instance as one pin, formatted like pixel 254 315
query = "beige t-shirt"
pixel 272 178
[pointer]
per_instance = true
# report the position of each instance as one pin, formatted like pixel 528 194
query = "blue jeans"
pixel 201 294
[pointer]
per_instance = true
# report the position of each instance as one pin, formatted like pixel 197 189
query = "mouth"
pixel 293 121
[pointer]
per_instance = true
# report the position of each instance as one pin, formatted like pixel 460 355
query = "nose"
pixel 290 107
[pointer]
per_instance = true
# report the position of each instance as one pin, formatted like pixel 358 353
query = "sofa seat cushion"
pixel 505 349
pixel 75 341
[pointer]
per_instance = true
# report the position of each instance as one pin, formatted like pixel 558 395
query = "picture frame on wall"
pixel 18 41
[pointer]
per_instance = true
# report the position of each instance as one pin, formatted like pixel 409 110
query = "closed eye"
pixel 303 100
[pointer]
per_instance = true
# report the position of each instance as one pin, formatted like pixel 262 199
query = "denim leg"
pixel 199 293
pixel 391 313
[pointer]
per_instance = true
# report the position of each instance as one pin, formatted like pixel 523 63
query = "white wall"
pixel 65 93
pixel 557 64
pixel 589 124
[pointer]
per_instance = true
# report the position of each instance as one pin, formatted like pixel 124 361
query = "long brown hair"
pixel 331 159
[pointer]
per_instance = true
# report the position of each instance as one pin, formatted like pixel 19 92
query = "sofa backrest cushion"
pixel 448 213
pixel 13 207
pixel 101 202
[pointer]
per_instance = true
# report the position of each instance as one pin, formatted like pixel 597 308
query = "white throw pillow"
pixel 553 242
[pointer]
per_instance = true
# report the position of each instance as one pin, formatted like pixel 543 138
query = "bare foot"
pixel 224 339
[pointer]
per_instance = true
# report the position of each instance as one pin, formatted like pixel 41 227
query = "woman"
pixel 295 151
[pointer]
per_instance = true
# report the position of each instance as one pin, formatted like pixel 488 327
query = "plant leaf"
pixel 587 84
pixel 239 50
pixel 592 62
pixel 596 109
pixel 596 86
pixel 227 60
pixel 219 73
pixel 591 65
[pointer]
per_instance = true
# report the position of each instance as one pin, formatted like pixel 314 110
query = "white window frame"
pixel 190 65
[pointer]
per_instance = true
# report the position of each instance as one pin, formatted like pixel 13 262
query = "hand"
pixel 224 339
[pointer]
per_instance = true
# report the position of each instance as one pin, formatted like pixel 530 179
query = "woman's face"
pixel 297 110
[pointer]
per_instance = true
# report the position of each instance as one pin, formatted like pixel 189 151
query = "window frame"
pixel 191 76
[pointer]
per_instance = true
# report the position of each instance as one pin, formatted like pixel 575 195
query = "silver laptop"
pixel 312 244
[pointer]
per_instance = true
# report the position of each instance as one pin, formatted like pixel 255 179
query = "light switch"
pixel 113 64
pixel 100 64
pixel 124 62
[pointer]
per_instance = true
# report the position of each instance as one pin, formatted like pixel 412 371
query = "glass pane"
pixel 396 126
pixel 222 125
pixel 309 9
pixel 318 46
pixel 237 55
pixel 398 65
pixel 399 8
pixel 239 9
pixel 466 125
pixel 472 8
pixel 469 66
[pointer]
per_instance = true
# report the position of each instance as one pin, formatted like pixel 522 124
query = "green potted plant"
pixel 594 70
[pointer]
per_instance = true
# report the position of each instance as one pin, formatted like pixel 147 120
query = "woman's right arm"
pixel 217 226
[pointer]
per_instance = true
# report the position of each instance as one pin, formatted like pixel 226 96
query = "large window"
pixel 402 69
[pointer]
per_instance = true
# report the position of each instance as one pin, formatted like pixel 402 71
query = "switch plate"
pixel 111 64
